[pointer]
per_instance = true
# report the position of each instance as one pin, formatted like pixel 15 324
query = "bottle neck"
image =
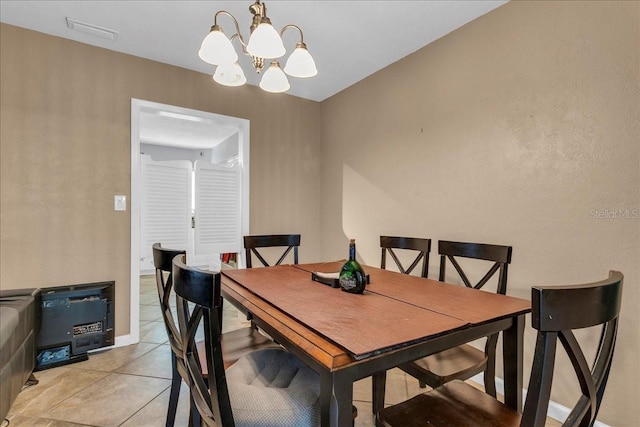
pixel 352 252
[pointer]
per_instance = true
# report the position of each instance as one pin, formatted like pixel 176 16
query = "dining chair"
pixel 235 343
pixel 422 246
pixel 288 241
pixel 465 361
pixel 269 387
pixel 556 312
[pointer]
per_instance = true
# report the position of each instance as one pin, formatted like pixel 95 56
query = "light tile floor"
pixel 129 386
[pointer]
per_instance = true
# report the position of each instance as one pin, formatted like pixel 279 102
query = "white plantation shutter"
pixel 166 206
pixel 217 209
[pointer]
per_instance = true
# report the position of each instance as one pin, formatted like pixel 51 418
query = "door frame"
pixel 135 203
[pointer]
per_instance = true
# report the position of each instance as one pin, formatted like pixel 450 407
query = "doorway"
pixel 177 128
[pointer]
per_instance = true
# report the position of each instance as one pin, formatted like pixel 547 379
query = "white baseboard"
pixel 556 411
pixel 124 340
pixel 121 341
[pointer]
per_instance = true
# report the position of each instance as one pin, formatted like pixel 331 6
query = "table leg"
pixel 336 397
pixel 513 344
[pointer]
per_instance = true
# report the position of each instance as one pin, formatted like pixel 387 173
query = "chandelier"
pixel 265 45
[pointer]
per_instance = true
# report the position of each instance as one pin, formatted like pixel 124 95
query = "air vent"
pixel 92 29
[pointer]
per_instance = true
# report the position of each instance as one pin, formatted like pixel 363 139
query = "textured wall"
pixel 519 128
pixel 65 152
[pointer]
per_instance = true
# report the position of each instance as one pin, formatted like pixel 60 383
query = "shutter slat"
pixel 217 209
pixel 166 205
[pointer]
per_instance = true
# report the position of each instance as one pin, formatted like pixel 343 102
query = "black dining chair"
pixel 287 241
pixel 235 343
pixel 556 312
pixel 290 242
pixel 465 361
pixel 268 387
pixel 406 244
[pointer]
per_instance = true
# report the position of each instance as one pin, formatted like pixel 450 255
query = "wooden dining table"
pixel 345 337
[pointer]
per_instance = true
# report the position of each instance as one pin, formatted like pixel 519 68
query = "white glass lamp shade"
pixel 300 63
pixel 265 42
pixel 274 80
pixel 230 75
pixel 217 49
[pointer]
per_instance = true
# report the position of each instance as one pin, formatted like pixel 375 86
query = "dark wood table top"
pixel 351 326
pixel 469 305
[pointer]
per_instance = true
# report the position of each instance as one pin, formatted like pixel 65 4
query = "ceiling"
pixel 348 39
pixel 182 130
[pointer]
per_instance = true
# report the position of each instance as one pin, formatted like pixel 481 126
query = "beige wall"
pixel 510 130
pixel 65 152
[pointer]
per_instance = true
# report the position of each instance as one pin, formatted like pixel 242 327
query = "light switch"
pixel 120 202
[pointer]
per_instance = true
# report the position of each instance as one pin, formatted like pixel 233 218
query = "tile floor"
pixel 129 386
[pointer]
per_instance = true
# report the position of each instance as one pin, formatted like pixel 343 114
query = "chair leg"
pixel 194 415
pixel 490 380
pixel 354 414
pixel 378 388
pixel 176 382
pixel 32 380
pixel 416 373
pixel 490 368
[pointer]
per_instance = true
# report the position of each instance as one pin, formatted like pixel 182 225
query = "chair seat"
pixel 239 342
pixel 453 404
pixel 460 362
pixel 272 387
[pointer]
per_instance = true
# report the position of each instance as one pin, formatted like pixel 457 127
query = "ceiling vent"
pixel 92 29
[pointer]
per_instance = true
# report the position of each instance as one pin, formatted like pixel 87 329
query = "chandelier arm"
pixel 238 34
pixel 287 27
pixel 242 44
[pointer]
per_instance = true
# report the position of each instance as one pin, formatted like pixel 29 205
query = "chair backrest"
pixel 198 295
pixel 289 241
pixel 499 255
pixel 423 246
pixel 556 311
pixel 162 260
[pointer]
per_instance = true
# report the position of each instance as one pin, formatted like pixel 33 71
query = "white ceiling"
pixel 184 130
pixel 349 40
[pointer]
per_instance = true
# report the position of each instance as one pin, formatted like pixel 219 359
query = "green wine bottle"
pixel 352 278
